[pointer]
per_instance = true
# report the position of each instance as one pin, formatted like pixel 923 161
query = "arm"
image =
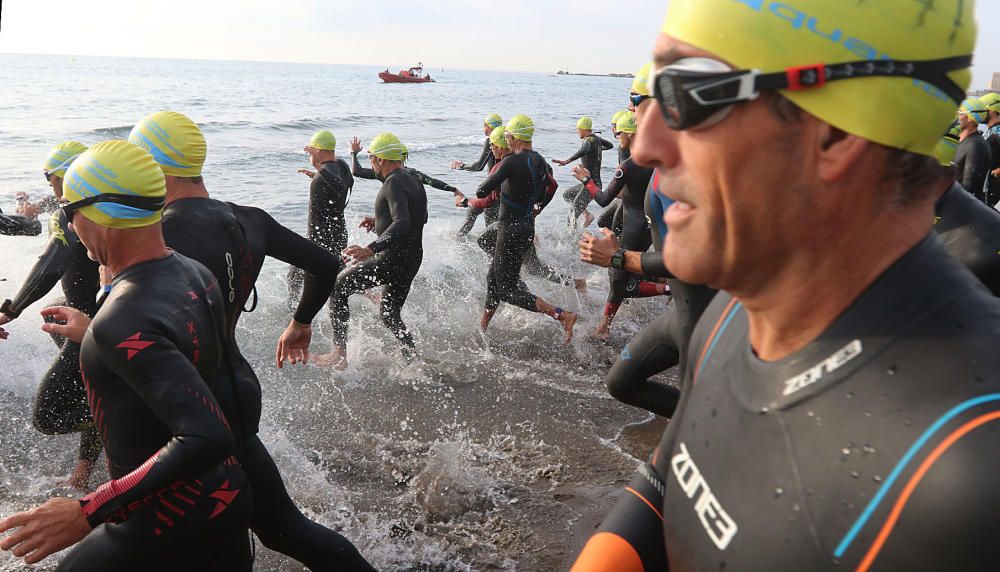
pixel 584 149
pixel 399 211
pixel 496 178
pixel 647 264
pixel 173 389
pixel 15 225
pixel 491 198
pixel 52 264
pixel 605 144
pixel 431 181
pixel 358 171
pixel 550 190
pixel 484 158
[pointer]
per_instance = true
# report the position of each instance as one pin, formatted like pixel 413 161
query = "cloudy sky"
pixel 523 35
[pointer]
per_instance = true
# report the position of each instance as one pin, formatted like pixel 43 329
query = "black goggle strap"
pixel 748 84
pixel 151 204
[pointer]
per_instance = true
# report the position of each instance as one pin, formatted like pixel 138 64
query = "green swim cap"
pixel 499 137
pixel 947 146
pixel 585 123
pixel 640 84
pixel 773 36
pixel 119 168
pixel 62 156
pixel 626 123
pixel 324 141
pixel 387 146
pixel 975 109
pixel 493 120
pixel 175 141
pixel 991 101
pixel 617 116
pixel 521 127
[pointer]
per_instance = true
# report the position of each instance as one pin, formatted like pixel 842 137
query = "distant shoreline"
pixel 624 75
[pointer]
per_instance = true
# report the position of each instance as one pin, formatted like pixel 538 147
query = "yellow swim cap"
pixel 116 168
pixel 62 156
pixel 773 36
pixel 991 101
pixel 493 120
pixel 617 116
pixel 175 141
pixel 626 123
pixel 947 146
pixel 975 109
pixel 640 84
pixel 324 141
pixel 521 127
pixel 499 137
pixel 585 123
pixel 387 146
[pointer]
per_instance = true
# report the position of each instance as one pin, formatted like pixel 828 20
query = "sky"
pixel 595 36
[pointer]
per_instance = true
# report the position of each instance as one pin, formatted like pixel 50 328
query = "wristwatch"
pixel 618 259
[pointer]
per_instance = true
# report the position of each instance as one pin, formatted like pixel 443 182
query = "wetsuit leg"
pixel 635 237
pixel 504 279
pixel 618 221
pixel 492 214
pixel 61 403
pixel 653 350
pixel 610 217
pixel 488 240
pixel 630 539
pixel 283 528
pixel 535 267
pixel 579 198
pixel 470 221
pixel 370 273
pixel 391 310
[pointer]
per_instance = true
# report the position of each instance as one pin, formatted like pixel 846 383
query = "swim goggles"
pixel 151 204
pixel 635 99
pixel 699 92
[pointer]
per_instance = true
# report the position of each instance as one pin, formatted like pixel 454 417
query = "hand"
pixel 357 253
pixel 560 163
pixel 460 200
pixel 293 344
pixel 73 326
pixel 598 251
pixel 580 173
pixel 307 173
pixel 368 223
pixel 996 172
pixel 459 194
pixel 21 195
pixel 44 530
pixel 4 319
pixel 457 164
pixel 355 145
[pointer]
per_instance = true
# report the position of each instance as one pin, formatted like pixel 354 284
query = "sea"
pixel 495 452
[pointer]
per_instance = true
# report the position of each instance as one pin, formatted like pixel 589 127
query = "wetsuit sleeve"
pixel 605 144
pixel 550 189
pixel 500 173
pixel 652 265
pixel 320 266
pixel 327 186
pixel 478 203
pixel 172 388
pixel 16 225
pixel 615 187
pixel 399 211
pixel 584 149
pixel 360 172
pixel 52 264
pixel 484 158
pixel 431 181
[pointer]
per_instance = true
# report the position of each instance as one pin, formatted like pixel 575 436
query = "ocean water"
pixel 493 453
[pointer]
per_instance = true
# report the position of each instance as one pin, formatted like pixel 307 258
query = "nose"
pixel 654 144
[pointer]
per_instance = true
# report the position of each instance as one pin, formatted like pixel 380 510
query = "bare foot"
pixel 580 284
pixel 337 358
pixel 80 478
pixel 587 219
pixel 568 320
pixel 603 333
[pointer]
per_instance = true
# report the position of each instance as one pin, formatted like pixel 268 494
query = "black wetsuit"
pixel 425 179
pixel 611 216
pixel 662 343
pixel 17 225
pixel 400 216
pixel 992 136
pixel 232 241
pixel 872 445
pixel 972 164
pixel 61 403
pixel 152 359
pixel 329 193
pixel 525 182
pixel 486 161
pixel 630 182
pixel 970 232
pixel 590 154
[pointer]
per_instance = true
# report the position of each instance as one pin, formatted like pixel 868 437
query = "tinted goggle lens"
pixel 691 99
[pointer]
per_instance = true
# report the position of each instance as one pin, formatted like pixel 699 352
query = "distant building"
pixel 995 84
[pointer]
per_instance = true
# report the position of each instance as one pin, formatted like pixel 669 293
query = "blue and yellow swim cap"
pixel 116 168
pixel 975 109
pixel 62 156
pixel 947 146
pixel 493 120
pixel 640 85
pixel 174 141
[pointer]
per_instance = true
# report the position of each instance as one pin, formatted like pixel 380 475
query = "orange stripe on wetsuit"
pixel 711 338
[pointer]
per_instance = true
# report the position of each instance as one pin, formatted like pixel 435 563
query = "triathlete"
pixel 392 260
pixel 611 216
pixel 55 167
pixel 329 193
pixel 487 241
pixel 232 241
pixel 630 183
pixel 972 160
pixel 590 154
pixel 363 173
pixel 152 358
pixel 992 135
pixel 61 404
pixel 486 161
pixel 814 430
pixel 526 187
